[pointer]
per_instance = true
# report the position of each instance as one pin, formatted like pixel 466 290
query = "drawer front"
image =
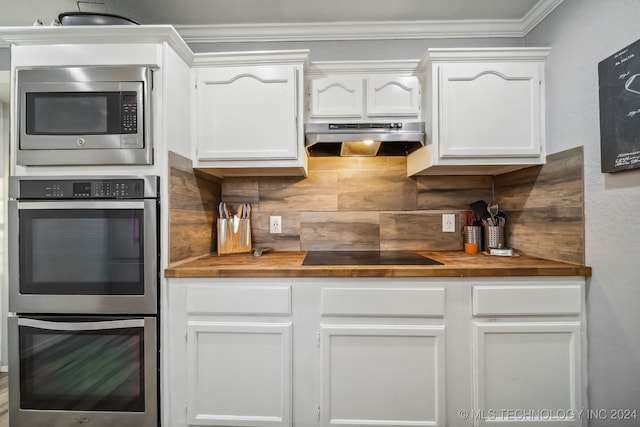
pixel 260 300
pixel 396 302
pixel 527 300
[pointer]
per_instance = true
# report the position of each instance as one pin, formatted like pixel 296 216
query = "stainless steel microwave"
pixel 84 116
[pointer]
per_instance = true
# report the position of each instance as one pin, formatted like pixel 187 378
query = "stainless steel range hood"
pixel 363 139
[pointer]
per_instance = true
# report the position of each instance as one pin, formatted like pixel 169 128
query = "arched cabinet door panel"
pixel 393 96
pixel 362 97
pixel 336 97
pixel 490 109
pixel 247 113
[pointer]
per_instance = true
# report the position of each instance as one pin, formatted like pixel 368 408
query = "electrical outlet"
pixel 275 224
pixel 448 223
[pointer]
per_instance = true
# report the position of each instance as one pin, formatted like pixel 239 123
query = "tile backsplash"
pixel 545 207
pixel 356 203
pixel 193 201
pixel 370 203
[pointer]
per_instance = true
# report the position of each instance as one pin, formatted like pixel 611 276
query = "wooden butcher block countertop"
pixel 455 264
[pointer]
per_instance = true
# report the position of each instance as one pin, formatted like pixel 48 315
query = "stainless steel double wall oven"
pixel 83 301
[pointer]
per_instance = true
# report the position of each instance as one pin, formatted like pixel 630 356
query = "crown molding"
pixel 398 67
pixel 234 33
pixel 315 31
pixel 300 56
pixel 487 54
pixel 46 35
pixel 540 11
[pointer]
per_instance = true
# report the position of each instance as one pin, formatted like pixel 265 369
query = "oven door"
pixel 95 371
pixel 83 257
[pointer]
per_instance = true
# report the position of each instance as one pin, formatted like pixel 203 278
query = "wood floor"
pixel 4 399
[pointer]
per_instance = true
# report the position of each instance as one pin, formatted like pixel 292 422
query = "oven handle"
pixel 81 326
pixel 113 204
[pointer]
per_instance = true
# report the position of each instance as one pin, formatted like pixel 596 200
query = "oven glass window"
pixel 82 252
pixel 99 370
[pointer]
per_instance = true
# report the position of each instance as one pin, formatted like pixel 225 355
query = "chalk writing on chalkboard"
pixel 619 90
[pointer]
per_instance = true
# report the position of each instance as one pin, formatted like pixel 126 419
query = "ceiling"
pixel 279 20
pixel 203 12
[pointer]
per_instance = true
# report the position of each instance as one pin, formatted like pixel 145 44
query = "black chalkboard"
pixel 619 83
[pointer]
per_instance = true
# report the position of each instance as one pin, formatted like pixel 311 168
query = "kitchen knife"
pixel 248 223
pixel 222 224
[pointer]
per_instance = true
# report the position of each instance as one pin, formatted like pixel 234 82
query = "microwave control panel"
pixel 129 108
pixel 82 189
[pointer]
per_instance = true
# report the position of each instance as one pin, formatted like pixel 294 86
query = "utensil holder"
pixel 473 235
pixel 493 237
pixel 234 235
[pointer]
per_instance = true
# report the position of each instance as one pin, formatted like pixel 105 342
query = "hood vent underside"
pixel 363 139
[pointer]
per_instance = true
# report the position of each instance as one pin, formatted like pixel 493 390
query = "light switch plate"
pixel 448 223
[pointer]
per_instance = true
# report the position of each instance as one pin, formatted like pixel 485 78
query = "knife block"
pixel 234 239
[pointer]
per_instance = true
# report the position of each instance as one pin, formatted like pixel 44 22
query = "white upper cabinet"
pixel 336 97
pixel 489 110
pixel 393 96
pixel 363 90
pixel 248 113
pixel 486 111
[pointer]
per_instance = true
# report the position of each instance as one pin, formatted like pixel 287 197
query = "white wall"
pixel 4 173
pixel 355 50
pixel 581 34
pixel 5 59
pixel 25 12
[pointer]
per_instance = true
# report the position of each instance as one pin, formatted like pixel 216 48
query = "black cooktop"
pixel 366 258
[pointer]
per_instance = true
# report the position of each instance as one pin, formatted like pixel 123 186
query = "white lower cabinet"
pixel 382 375
pixel 527 372
pixel 382 354
pixel 238 373
pixel 528 358
pixel 425 352
pixel 228 360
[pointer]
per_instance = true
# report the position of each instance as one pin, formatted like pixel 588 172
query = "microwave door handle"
pixel 81 326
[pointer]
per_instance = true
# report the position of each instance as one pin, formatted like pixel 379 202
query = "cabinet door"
pixel 527 372
pixel 491 110
pixel 336 97
pixel 382 375
pixel 239 374
pixel 393 96
pixel 246 113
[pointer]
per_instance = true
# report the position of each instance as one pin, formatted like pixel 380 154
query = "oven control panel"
pixel 109 188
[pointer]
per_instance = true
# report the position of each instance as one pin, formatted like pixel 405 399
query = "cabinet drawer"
pixel 261 300
pixel 401 302
pixel 527 300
